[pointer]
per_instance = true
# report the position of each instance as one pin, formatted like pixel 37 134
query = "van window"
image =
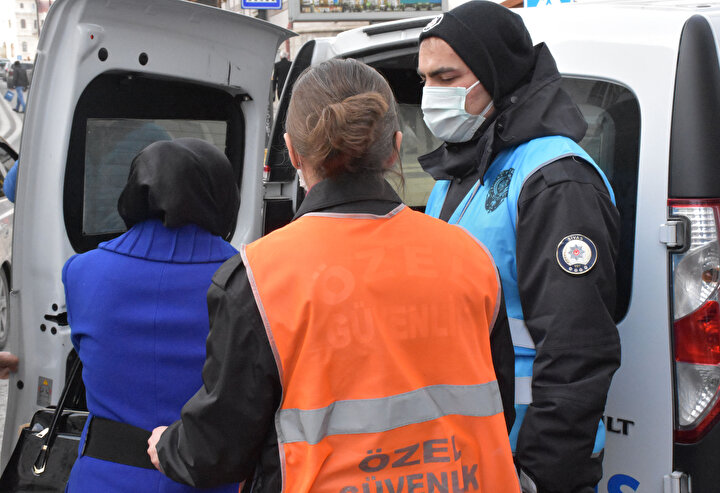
pixel 612 139
pixel 115 118
pixel 111 145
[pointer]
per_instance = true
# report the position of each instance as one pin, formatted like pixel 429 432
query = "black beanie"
pixel 491 40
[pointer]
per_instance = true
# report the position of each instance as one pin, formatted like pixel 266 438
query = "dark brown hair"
pixel 342 118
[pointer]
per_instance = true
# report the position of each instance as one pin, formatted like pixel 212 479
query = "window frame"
pixel 115 95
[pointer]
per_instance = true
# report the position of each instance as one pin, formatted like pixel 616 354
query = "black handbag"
pixel 48 447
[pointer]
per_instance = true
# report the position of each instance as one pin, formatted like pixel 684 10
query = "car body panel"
pixel 3 67
pixel 230 52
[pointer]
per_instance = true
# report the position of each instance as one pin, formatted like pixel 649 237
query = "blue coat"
pixel 139 320
pixel 9 184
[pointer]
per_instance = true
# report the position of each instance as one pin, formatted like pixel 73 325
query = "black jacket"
pixel 20 78
pixel 569 317
pixel 227 433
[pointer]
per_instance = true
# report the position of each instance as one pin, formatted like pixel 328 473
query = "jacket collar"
pixel 356 194
pixel 189 244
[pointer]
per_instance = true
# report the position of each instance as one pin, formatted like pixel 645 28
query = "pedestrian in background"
pixel 282 68
pixel 510 172
pixel 350 350
pixel 21 81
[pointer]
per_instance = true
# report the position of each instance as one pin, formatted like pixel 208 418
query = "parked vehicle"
pixel 3 65
pixel 645 76
pixel 120 75
pixel 647 79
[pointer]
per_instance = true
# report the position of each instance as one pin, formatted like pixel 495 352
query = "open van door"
pixel 110 78
pixel 282 192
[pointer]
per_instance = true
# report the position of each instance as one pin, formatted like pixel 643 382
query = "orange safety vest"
pixel 380 330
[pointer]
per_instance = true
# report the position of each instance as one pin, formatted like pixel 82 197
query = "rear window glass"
pixel 111 145
pixel 117 116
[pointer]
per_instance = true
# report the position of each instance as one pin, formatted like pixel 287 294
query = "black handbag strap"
pixel 49 436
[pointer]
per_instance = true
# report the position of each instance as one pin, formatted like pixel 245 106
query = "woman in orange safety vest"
pixel 349 351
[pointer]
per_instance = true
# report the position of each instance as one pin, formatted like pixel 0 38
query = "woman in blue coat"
pixel 137 311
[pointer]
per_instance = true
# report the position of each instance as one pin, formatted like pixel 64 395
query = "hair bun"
pixel 342 118
pixel 349 126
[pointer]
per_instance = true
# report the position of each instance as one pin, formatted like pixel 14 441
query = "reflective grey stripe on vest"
pixel 520 334
pixel 387 413
pixel 523 390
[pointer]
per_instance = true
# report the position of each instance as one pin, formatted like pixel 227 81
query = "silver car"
pixel 4 63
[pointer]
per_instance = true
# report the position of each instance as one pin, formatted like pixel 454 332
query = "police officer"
pixel 510 171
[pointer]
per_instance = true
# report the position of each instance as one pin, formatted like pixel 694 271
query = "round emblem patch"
pixel 576 254
pixel 433 23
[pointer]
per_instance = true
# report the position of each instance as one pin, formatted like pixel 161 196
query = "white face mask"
pixel 444 113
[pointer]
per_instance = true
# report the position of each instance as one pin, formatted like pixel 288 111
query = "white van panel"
pixel 182 40
pixel 639 412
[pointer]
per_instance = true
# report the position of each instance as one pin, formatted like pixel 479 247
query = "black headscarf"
pixel 181 181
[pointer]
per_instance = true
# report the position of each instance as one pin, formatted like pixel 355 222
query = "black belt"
pixel 117 442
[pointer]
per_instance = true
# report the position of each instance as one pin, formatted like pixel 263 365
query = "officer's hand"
pixel 152 446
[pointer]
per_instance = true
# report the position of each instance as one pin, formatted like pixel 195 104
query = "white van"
pixel 645 75
pixel 104 69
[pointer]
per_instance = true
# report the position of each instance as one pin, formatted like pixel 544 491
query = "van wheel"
pixel 4 299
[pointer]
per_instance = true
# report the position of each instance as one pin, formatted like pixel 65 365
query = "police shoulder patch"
pixel 576 254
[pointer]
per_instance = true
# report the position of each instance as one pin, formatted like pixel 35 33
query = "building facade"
pixel 8 38
pixel 20 25
pixel 306 30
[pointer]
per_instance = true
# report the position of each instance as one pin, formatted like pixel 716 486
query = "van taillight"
pixel 696 320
